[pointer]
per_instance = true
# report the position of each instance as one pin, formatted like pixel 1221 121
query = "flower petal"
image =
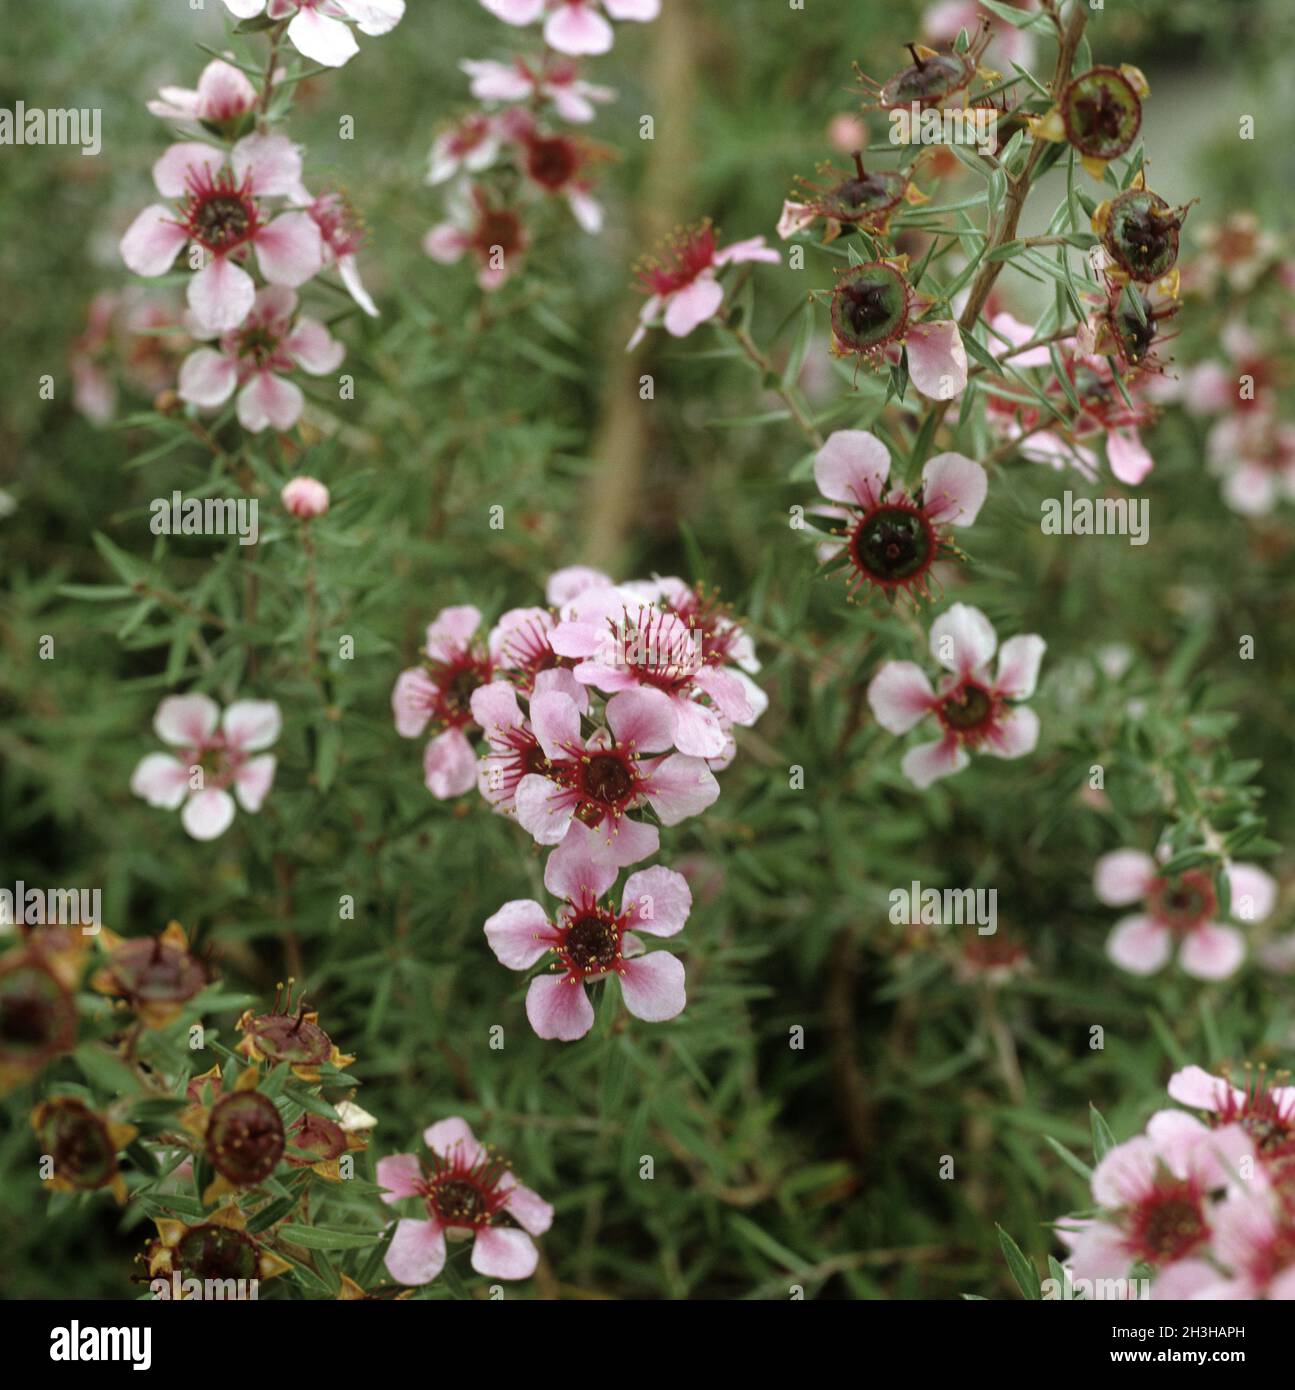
pixel 691 306
pixel 852 467
pixel 657 900
pixel 416 1254
pixel 928 762
pixel 502 1252
pixel 401 1175
pixel 207 815
pixel 962 639
pixel 449 765
pixel 1123 876
pixel 653 986
pixel 519 933
pixel 253 781
pixel 152 241
pixel 953 489
pixel 900 696
pixel 221 295
pixel 937 360
pixel 161 780
pixel 1139 945
pixel 186 721
pixel 1019 659
pixel 1212 952
pixel 558 1007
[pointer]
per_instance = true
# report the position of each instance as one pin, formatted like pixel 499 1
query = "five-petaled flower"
pixel 215 759
pixel 682 287
pixel 976 710
pixel 1180 912
pixel 468 1193
pixel 219 209
pixel 891 540
pixel 439 693
pixel 591 941
pixel 321 29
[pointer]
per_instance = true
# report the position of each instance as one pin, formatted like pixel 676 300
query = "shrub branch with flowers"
pixel 551 928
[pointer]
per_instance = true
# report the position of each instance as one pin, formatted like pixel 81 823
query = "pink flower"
pixel 599 780
pixel 682 288
pixel 555 80
pixel 556 164
pixel 591 941
pixel 564 584
pixel 620 641
pixel 519 643
pixel 1254 453
pixel 467 1192
pixel 575 26
pixel 341 230
pixel 1154 1195
pixel 495 236
pixel 272 339
pixel 320 29
pixel 1266 1112
pixel 1178 912
pixel 439 693
pixel 214 760
pixel 220 210
pixel 892 540
pixel 977 711
pixel 942 21
pixel 513 751
pixel 468 146
pixel 305 497
pixel 223 96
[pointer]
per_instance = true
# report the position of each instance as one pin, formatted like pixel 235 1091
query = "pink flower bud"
pixel 305 497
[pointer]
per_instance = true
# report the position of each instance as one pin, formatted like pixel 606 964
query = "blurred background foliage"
pixel 775 1166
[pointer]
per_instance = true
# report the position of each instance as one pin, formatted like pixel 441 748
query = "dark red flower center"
pixel 893 545
pixel 1185 902
pixel 968 710
pixel 245 1137
pixel 220 214
pixel 1169 1224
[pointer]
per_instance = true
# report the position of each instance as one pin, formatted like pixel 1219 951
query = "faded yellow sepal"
pixel 1047 127
pixel 1136 79
pixel 1096 167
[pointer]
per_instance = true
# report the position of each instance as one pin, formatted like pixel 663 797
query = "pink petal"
pixel 930 761
pixel 752 249
pixel 962 639
pixel 642 719
pixel 272 164
pixel 679 787
pixel 1014 735
pixel 495 708
pixel 502 1252
pixel 519 934
pixel 1019 659
pixel 221 295
pixel 852 467
pixel 401 1175
pixel 185 721
pixel 152 241
pixel 653 987
pixel 640 10
pixel 558 1007
pixel 252 724
pixel 576 870
pixel 515 11
pixel 937 360
pixel 449 765
pixel 322 40
pixel 161 780
pixel 576 28
pixel 290 250
pixel 349 271
pixel 544 809
pixel 374 17
pixel 1212 952
pixel 900 696
pixel 692 305
pixel 244 9
pixel 698 731
pixel 1184 1280
pixel 207 378
pixel 1139 945
pixel 1123 876
pixel 445 243
pixel 626 841
pixel 530 1209
pixel 208 815
pixel 452 1136
pixel 171 173
pixel 1195 1086
pixel 1128 456
pixel 315 349
pixel 953 489
pixel 1017 334
pixel 1127 1174
pixel 253 780
pixel 416 1254
pixel 556 722
pixel 452 631
pixel 268 401
pixel 658 900
pixel 1254 892
pixel 412 701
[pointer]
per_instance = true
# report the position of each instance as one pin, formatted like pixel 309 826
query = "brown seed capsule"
pixel 245 1137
